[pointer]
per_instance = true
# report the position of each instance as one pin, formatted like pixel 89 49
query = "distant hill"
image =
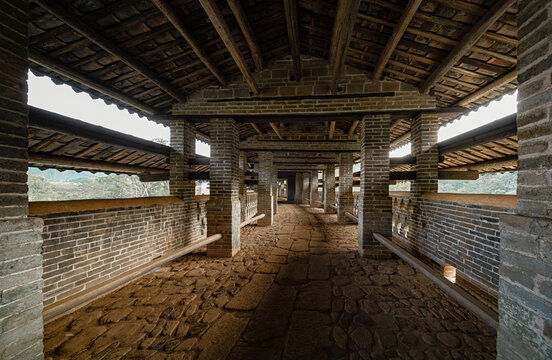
pixel 64 176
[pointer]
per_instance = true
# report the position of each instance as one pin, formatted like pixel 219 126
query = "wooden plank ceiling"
pixel 146 55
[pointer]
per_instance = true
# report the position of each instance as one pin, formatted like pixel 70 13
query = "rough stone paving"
pixel 296 290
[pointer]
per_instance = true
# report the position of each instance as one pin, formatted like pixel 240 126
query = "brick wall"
pixel 329 189
pixel 20 242
pixel 466 236
pixel 525 300
pixel 345 188
pixel 83 249
pixel 265 203
pixel 315 86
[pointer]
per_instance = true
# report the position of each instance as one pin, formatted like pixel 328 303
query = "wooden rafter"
pixel 292 23
pixel 353 127
pixel 332 130
pixel 503 80
pixel 78 25
pixel 248 33
pixel 167 10
pixel 467 42
pixel 341 37
pixel 274 127
pixel 214 14
pixel 256 127
pixel 398 31
pixel 61 69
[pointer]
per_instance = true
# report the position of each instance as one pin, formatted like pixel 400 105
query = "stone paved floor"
pixel 297 290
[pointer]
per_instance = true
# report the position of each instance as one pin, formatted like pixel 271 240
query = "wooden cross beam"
pixel 469 40
pixel 214 14
pixel 341 37
pixel 167 10
pixel 59 11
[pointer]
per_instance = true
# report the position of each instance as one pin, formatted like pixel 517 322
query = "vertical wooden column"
pixel 265 202
pixel 525 285
pixel 21 330
pixel 425 129
pixel 346 200
pixel 314 189
pixel 223 207
pixel 374 208
pixel 329 189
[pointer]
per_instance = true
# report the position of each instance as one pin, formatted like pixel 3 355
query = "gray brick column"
pixel 329 189
pixel 314 188
pixel 425 129
pixel 243 187
pixel 265 202
pixel 525 285
pixel 374 208
pixel 275 190
pixel 306 189
pixel 21 328
pixel 298 188
pixel 345 188
pixel 223 207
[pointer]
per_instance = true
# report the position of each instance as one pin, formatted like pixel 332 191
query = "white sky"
pixel 43 93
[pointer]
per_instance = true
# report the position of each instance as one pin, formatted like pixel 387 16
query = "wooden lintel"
pixel 292 24
pixel 62 13
pixel 61 69
pixel 332 130
pixel 393 41
pixel 341 37
pixel 274 127
pixel 467 42
pixel 247 31
pixel 169 12
pixel 217 19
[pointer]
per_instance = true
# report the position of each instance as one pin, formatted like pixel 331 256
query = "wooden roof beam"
pixel 353 127
pixel 63 70
pixel 503 80
pixel 332 130
pixel 247 30
pixel 257 129
pixel 341 37
pixel 398 31
pixel 292 23
pixel 169 12
pixel 274 127
pixel 214 14
pixel 59 11
pixel 467 42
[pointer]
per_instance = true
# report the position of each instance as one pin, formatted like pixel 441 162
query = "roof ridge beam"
pixel 292 24
pixel 406 16
pixel 467 42
pixel 168 11
pixel 341 37
pixel 217 19
pixel 247 32
pixel 78 25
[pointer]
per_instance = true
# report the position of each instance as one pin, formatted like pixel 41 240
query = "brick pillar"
pixel 425 128
pixel 275 190
pixel 223 207
pixel 306 189
pixel 265 202
pixel 329 189
pixel 21 329
pixel 345 188
pixel 243 187
pixel 374 208
pixel 298 188
pixel 525 291
pixel 314 188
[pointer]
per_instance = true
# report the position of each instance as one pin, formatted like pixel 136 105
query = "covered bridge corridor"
pixel 300 93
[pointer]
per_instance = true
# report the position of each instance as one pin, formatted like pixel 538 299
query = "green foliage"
pixel 101 187
pixel 486 184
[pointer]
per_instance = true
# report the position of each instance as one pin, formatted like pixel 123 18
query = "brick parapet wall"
pixel 315 85
pixel 466 236
pixel 374 205
pixel 87 248
pixel 20 260
pixel 345 188
pixel 223 207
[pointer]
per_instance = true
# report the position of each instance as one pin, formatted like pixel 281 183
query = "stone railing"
pixel 250 206
pixel 458 230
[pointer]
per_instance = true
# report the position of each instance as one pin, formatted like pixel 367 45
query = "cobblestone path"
pixel 296 290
